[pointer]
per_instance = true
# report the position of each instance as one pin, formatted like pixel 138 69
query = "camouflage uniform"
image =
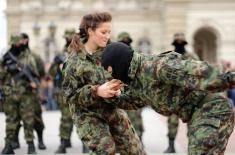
pixel 179 43
pixel 38 121
pixel 134 116
pixel 19 101
pixel 187 88
pixel 173 120
pixel 104 129
pixel 66 122
pixel 136 120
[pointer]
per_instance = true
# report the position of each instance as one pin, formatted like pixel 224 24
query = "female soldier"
pixel 103 128
pixel 174 85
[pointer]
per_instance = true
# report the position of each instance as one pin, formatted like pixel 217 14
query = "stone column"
pixel 13 15
pixel 174 17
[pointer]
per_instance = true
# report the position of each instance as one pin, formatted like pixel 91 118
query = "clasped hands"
pixel 110 89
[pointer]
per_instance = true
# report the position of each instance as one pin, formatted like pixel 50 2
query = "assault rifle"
pixel 18 69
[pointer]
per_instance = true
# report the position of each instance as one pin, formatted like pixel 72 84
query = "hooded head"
pixel 16 47
pixel 125 38
pixel 179 43
pixel 24 41
pixel 15 39
pixel 117 56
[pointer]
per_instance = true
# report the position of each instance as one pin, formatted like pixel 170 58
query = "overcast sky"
pixel 3 31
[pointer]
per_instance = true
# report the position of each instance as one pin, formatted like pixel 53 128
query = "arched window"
pixel 205 44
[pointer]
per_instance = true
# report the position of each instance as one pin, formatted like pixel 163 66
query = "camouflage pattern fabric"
pixel 136 120
pixel 15 39
pixel 209 130
pixel 134 115
pixel 68 33
pixel 20 101
pixel 187 88
pixel 38 121
pixel 14 107
pixel 173 121
pixel 123 35
pixel 66 123
pixel 103 128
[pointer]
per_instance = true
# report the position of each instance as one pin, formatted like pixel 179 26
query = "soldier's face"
pixel 101 35
pixel 110 69
pixel 24 41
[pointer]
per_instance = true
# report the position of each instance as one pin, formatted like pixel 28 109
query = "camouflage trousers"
pixel 211 126
pixel 16 108
pixel 38 121
pixel 173 123
pixel 136 120
pixel 107 135
pixel 66 122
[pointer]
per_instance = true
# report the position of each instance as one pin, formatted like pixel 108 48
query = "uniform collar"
pixel 84 55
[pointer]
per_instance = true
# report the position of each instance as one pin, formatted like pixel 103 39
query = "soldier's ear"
pixel 110 69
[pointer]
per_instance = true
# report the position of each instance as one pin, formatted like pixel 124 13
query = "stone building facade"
pixel 209 26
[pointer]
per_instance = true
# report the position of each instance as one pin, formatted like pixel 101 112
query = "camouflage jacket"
pixel 81 74
pixel 172 84
pixel 55 70
pixel 20 86
pixel 40 65
pixel 56 73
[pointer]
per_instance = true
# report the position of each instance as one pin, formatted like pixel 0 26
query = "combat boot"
pixel 16 144
pixel 31 148
pixel 171 147
pixel 62 147
pixel 8 149
pixel 68 143
pixel 84 149
pixel 41 144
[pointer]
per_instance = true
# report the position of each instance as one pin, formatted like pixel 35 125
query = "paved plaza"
pixel 154 137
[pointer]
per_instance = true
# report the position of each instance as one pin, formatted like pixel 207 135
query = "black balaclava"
pixel 179 46
pixel 24 46
pixel 15 50
pixel 117 55
pixel 126 41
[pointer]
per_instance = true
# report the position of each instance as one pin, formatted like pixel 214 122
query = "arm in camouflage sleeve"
pixel 128 100
pixel 74 90
pixel 194 75
pixel 52 70
pixel 40 66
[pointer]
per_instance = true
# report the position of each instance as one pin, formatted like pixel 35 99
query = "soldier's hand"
pixel 61 66
pixel 118 93
pixel 33 85
pixel 116 84
pixel 108 89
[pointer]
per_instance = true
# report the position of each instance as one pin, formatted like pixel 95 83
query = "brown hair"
pixel 92 21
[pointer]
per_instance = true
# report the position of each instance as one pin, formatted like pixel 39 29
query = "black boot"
pixel 31 148
pixel 41 144
pixel 84 149
pixel 16 144
pixel 8 149
pixel 171 147
pixel 68 143
pixel 62 147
